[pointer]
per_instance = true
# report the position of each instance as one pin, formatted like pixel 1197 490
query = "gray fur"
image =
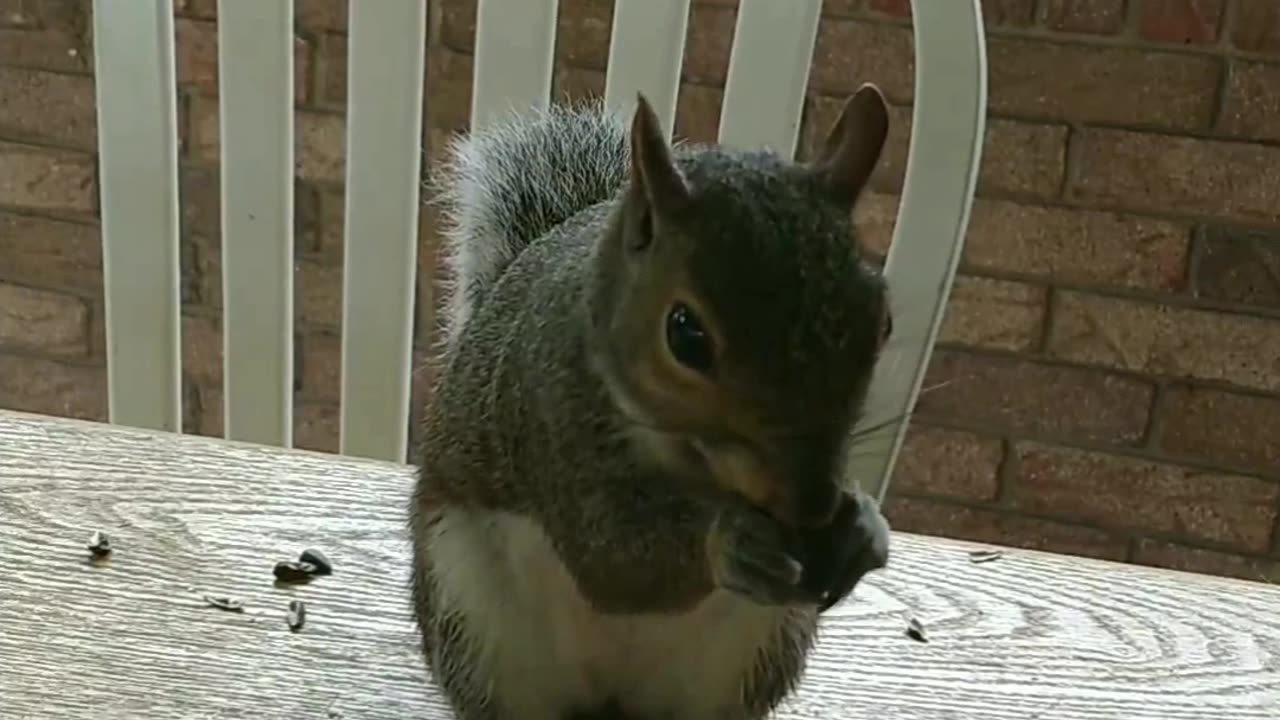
pixel 502 189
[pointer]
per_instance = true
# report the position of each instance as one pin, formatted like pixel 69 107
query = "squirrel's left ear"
pixel 853 145
pixel 653 169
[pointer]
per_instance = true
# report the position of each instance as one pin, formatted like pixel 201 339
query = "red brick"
pixel 849 53
pixel 1123 492
pixel 196 46
pixel 1206 562
pixel 319 291
pixel 458 24
pixel 97 328
pixel 428 239
pixel 52 35
pixel 316 427
pixel 201 272
pixel 1252 106
pixel 698 113
pixel 54 388
pixel 1239 266
pixel 209 419
pixel 897 8
pixel 1173 341
pixel 583 28
pixel 330 228
pixel 708 41
pixel 1022 158
pixel 48 107
pixel 1189 22
pixel 1222 428
pixel 572 84
pixel 202 350
pixel 321 367
pixel 948 463
pixel 1257 26
pixel 1000 314
pixel 16 14
pixel 449 76
pixel 1077 245
pixel 200 9
pixel 331 70
pixel 48 322
pixel 306 217
pixel 200 201
pixel 427 288
pixel 437 143
pixel 1108 85
pixel 1014 13
pixel 1001 528
pixel 1097 17
pixel 42 179
pixel 1019 158
pixel 1178 174
pixel 830 8
pixel 330 15
pixel 50 253
pixel 998 393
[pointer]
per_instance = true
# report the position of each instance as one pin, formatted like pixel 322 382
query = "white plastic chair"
pixel 763 100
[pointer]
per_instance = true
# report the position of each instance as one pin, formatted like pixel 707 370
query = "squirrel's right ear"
pixel 853 145
pixel 653 169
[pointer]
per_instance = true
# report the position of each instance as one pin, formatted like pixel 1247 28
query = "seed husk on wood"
pixel 297 615
pixel 915 631
pixel 984 556
pixel 318 560
pixel 225 603
pixel 294 571
pixel 99 544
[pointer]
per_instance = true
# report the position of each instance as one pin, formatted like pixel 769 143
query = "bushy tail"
pixel 507 185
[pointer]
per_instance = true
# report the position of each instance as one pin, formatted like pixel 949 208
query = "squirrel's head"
pixel 738 324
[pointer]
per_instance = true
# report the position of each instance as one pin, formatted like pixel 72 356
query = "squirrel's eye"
pixel 688 341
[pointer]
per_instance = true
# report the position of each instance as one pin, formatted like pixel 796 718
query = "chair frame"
pixel 763 105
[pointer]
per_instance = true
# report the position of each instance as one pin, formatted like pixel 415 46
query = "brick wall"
pixel 1108 381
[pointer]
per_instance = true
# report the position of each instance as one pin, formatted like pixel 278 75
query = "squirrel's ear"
pixel 653 169
pixel 853 145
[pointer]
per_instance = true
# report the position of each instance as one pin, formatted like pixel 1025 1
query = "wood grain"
pixel 1030 636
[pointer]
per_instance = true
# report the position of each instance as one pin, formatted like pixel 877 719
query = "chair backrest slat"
pixel 138 159
pixel 768 72
pixel 514 57
pixel 948 128
pixel 646 51
pixel 255 87
pixel 385 60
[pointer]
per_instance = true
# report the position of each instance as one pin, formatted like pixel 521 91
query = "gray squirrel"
pixel 631 500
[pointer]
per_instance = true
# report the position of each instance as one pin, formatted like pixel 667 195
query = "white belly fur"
pixel 546 649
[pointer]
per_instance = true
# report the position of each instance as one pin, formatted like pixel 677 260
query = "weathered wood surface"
pixel 1027 636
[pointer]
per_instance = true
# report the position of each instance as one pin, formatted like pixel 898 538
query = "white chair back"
pixel 515 40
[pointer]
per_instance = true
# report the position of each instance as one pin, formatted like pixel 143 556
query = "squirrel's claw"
pixel 749 555
pixel 838 556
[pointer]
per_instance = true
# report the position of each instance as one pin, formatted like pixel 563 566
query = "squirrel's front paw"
pixel 750 555
pixel 836 557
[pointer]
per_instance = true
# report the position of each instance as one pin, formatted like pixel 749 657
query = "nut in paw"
pixel 838 556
